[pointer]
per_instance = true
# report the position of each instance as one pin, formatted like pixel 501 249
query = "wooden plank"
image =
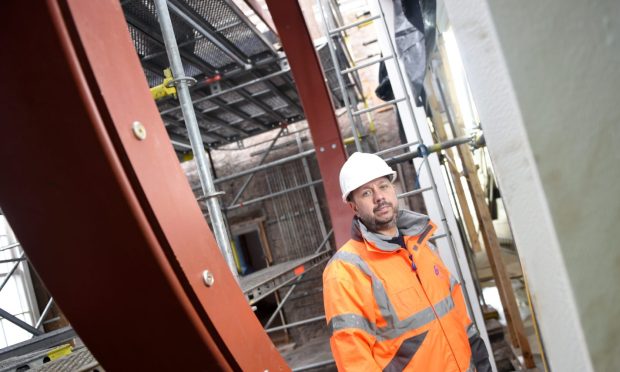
pixel 468 220
pixel 489 236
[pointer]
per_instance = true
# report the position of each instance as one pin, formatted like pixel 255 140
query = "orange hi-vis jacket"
pixel 395 309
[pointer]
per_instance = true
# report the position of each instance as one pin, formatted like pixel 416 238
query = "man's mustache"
pixel 381 205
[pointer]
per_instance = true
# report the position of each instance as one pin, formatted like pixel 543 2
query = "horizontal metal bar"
pixel 18 322
pixel 286 282
pixel 404 145
pixel 388 103
pixel 225 91
pixel 492 278
pixel 433 238
pixel 365 64
pixel 10 246
pixel 44 341
pixel 8 275
pixel 314 365
pixel 260 93
pixel 305 260
pixel 229 26
pixel 278 146
pixel 354 24
pixel 13 260
pixel 295 324
pixel 414 192
pixel 369 56
pixel 181 144
pixel 266 166
pixel 253 201
pixel 435 147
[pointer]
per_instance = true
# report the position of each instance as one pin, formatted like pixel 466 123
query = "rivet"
pixel 139 130
pixel 333 145
pixel 208 278
pixel 322 149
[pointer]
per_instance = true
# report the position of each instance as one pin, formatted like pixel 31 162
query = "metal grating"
pixel 221 49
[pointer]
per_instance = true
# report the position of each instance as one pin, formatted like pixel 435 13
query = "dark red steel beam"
pixel 109 220
pixel 317 104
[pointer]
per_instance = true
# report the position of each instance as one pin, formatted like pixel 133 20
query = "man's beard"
pixel 374 224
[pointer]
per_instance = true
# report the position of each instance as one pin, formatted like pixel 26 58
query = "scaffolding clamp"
pixel 423 150
pixel 166 88
pixel 216 194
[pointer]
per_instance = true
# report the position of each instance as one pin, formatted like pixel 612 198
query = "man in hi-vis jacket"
pixel 390 302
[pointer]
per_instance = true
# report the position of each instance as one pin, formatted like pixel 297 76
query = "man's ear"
pixel 353 206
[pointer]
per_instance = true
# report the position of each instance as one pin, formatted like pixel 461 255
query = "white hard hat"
pixel 361 168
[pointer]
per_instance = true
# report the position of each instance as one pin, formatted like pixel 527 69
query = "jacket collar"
pixel 409 223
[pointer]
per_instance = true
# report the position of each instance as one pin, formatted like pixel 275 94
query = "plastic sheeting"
pixel 414 29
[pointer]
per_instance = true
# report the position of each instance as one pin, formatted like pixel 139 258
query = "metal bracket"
pixel 284 66
pixel 187 79
pixel 216 87
pixel 216 194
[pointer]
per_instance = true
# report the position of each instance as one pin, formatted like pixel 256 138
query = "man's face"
pixel 376 205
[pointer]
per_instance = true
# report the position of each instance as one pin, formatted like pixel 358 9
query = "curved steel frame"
pixel 121 248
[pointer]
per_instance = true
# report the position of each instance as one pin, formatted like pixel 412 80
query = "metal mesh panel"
pixel 251 109
pixel 216 12
pixel 202 58
pixel 152 78
pixel 256 88
pixel 227 116
pixel 143 10
pixel 244 38
pixel 274 102
pixel 206 105
pixel 211 54
pixel 231 97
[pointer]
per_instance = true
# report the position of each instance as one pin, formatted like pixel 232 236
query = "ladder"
pixel 435 193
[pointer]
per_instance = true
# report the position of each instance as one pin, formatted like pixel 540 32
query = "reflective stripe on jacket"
pixel 395 309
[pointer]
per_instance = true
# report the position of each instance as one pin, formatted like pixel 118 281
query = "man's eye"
pixel 366 193
pixel 384 186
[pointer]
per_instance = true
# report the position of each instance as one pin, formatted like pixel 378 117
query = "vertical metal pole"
pixel 343 88
pixel 204 172
pixel 47 309
pixel 315 200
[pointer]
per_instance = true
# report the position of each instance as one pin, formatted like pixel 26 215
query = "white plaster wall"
pixel 546 79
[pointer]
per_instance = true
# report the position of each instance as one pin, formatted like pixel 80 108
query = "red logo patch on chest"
pixel 436 270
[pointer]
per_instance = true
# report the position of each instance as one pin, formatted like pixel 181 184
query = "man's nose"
pixel 378 195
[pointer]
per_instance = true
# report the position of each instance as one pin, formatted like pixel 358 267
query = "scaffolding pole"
pixel 343 89
pixel 204 172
